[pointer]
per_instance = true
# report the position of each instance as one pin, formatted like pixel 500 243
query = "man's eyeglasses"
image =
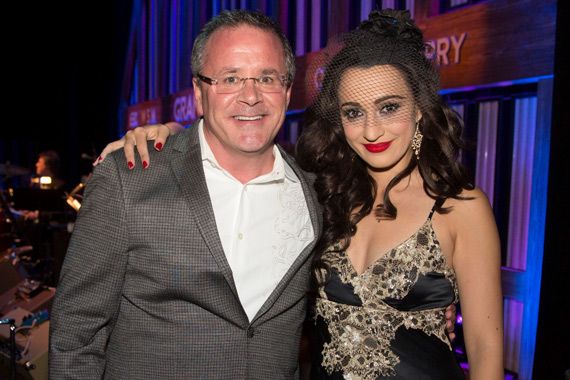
pixel 231 83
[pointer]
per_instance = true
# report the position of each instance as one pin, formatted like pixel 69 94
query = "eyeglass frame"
pixel 284 79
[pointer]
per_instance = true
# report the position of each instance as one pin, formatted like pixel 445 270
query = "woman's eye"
pixel 389 108
pixel 351 113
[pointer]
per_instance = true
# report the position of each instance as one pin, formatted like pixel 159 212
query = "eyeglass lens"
pixel 267 83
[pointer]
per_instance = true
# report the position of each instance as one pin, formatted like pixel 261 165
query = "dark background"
pixel 64 63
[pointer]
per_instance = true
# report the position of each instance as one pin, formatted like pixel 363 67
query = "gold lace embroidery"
pixel 361 335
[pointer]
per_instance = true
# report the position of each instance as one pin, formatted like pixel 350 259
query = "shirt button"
pixel 250 332
pixel 240 236
pixel 245 188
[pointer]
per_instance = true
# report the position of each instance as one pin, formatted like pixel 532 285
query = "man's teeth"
pixel 245 118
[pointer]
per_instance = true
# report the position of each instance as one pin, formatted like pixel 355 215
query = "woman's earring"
pixel 417 141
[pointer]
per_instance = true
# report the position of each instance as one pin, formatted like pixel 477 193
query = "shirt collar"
pixel 281 169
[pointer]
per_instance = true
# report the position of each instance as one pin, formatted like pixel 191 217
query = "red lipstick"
pixel 377 148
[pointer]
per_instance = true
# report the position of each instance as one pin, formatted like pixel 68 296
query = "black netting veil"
pixel 379 72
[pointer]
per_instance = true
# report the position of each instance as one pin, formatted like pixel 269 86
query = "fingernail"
pixel 145 165
pixel 131 165
pixel 100 158
pixel 158 146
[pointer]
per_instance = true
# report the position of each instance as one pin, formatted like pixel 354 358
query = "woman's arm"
pixel 138 137
pixel 477 263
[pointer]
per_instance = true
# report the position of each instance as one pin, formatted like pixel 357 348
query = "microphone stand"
pixel 12 344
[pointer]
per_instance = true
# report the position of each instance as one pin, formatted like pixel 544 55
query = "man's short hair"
pixel 234 19
pixel 51 161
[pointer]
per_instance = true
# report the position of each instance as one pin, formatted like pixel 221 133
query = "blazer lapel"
pixel 189 172
pixel 316 219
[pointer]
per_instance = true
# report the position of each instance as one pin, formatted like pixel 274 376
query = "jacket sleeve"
pixel 90 287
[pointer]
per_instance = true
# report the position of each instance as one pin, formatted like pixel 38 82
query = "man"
pixel 48 166
pixel 197 267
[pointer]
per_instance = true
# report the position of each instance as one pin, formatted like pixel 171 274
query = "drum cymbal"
pixel 9 169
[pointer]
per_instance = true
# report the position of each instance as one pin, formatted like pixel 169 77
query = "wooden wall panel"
pixel 506 41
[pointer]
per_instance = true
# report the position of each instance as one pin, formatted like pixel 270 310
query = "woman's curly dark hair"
pixel 343 184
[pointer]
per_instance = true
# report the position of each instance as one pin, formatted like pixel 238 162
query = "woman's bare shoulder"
pixel 471 210
pixel 469 201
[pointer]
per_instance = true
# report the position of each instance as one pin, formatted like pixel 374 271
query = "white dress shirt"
pixel 263 224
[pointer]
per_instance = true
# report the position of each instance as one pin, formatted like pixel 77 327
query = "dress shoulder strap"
pixel 437 204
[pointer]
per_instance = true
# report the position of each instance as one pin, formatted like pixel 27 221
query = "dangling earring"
pixel 417 140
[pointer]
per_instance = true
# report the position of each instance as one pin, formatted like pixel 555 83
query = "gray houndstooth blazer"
pixel 146 291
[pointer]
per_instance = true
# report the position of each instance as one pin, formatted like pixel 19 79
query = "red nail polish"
pixel 145 165
pixel 100 158
pixel 131 165
pixel 158 146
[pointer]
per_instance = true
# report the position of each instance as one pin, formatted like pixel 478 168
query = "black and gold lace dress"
pixel 389 321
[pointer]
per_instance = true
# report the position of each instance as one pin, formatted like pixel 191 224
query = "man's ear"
pixel 289 94
pixel 198 97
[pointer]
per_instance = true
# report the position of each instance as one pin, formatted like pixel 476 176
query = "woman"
pixel 405 233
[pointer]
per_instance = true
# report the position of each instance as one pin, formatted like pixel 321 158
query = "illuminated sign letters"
pixel 133 119
pixel 443 45
pixel 184 108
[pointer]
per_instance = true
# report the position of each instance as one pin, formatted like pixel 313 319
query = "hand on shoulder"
pixel 138 137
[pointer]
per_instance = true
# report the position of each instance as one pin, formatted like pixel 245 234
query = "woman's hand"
pixel 138 137
pixel 450 316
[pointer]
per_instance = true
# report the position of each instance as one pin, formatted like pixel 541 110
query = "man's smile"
pixel 248 118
